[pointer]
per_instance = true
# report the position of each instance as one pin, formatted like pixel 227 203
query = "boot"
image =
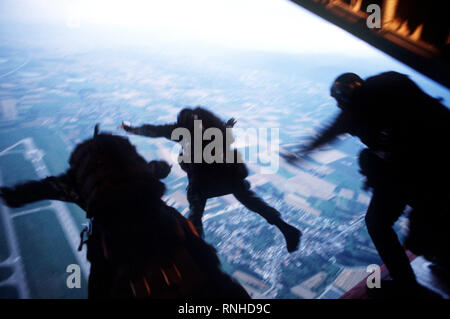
pixel 291 235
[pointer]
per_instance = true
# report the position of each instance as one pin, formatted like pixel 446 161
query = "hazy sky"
pixel 275 25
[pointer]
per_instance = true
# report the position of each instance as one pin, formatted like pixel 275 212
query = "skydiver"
pixel 68 188
pixel 405 131
pixel 208 180
pixel 137 245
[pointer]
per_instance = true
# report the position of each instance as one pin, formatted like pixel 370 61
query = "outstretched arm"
pixel 338 127
pixel 57 188
pixel 151 130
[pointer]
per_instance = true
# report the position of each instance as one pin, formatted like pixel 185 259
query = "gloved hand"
pixel 231 122
pixel 126 126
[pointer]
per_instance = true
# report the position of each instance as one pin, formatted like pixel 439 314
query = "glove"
pixel 231 122
pixel 126 126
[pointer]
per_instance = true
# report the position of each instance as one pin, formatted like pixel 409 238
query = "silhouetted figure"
pixel 208 180
pixel 429 216
pixel 406 132
pixel 138 246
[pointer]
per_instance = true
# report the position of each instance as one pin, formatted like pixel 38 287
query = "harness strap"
pixel 172 275
pixel 85 232
pixel 192 228
pixel 176 279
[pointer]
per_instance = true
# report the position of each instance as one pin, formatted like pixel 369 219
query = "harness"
pixel 176 277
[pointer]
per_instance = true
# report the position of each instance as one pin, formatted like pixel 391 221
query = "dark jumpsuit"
pixel 212 180
pixel 405 131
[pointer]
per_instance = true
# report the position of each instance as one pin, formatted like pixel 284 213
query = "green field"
pixel 41 240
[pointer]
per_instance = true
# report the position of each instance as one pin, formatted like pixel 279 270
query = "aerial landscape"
pixel 50 100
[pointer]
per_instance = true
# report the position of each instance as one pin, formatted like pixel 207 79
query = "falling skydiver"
pixel 208 180
pixel 138 246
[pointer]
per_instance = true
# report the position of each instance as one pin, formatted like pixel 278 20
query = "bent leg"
pixel 254 203
pixel 384 210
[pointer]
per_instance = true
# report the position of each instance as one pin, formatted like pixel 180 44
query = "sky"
pixel 270 25
pixel 168 25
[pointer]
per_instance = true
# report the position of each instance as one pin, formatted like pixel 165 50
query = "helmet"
pixel 343 86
